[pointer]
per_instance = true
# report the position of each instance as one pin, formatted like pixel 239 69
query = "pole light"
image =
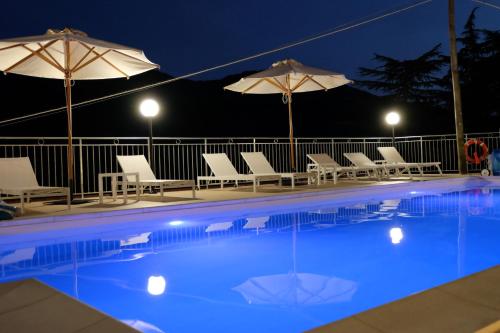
pixel 149 109
pixel 392 119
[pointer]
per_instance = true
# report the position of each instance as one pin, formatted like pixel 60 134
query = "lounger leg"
pixel 254 185
pixel 28 198
pixel 439 169
pixel 293 182
pixel 137 192
pixel 68 199
pixel 335 177
pixel 113 187
pixel 125 190
pixel 101 191
pixel 280 182
pixel 319 176
pixel 194 192
pixel 420 170
pixel 22 203
pixel 161 190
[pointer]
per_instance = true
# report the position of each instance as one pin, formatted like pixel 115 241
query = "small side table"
pixel 114 184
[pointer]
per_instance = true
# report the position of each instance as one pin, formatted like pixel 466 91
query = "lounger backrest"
pixel 17 173
pixel 323 159
pixel 220 165
pixel 258 163
pixel 391 155
pixel 359 160
pixel 136 163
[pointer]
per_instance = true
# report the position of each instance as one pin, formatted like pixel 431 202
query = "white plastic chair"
pixel 223 170
pixel 324 165
pixel 259 164
pixel 139 164
pixel 360 160
pixel 392 157
pixel 18 178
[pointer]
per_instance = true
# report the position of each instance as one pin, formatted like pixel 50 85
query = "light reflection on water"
pixel 286 272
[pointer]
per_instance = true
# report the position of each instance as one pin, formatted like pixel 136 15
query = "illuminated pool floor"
pixel 275 273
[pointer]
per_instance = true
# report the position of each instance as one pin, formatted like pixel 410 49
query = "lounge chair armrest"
pixel 380 161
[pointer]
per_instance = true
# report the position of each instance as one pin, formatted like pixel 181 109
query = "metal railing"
pixel 181 158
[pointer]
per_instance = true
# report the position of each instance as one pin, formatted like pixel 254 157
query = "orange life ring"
pixel 475 158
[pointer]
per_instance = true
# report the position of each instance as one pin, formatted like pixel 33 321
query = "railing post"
pixel 206 152
pixel 466 163
pixel 254 145
pixel 364 146
pixel 80 144
pixel 421 150
pixel 296 154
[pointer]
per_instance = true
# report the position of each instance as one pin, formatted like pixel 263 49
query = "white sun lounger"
pixel 259 165
pixel 139 164
pixel 360 160
pixel 393 157
pixel 17 178
pixel 223 170
pixel 323 165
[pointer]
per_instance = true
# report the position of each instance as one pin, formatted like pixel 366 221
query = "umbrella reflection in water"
pixel 296 288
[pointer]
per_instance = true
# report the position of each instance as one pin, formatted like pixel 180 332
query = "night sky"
pixel 184 36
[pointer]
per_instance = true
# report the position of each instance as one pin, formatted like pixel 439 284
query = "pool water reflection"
pixel 278 273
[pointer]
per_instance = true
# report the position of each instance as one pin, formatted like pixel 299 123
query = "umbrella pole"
pixel 71 182
pixel 290 123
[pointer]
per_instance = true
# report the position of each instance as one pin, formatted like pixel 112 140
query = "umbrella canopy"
pixel 296 289
pixel 70 55
pixel 62 53
pixel 287 77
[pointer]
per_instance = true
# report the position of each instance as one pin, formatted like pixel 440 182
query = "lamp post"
pixel 392 119
pixel 149 109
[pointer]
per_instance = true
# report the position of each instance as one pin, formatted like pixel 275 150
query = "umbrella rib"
pixel 10 47
pixel 319 84
pixel 51 57
pixel 100 56
pixel 276 83
pixel 35 53
pixel 301 82
pixel 82 58
pixel 252 86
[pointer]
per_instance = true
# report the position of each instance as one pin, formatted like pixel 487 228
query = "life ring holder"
pixel 475 159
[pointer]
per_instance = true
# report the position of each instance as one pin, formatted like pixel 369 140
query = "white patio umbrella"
pixel 70 55
pixel 287 77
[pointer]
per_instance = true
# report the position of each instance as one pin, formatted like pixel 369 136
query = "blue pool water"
pixel 270 273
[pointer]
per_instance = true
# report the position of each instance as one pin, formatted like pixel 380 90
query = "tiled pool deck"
pixel 465 305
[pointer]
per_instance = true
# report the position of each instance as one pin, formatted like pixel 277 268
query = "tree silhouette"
pixel 413 80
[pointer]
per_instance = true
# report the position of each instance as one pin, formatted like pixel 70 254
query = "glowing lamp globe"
pixel 392 118
pixel 156 285
pixel 149 108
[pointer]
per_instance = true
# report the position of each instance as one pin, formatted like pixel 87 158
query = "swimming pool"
pixel 278 268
